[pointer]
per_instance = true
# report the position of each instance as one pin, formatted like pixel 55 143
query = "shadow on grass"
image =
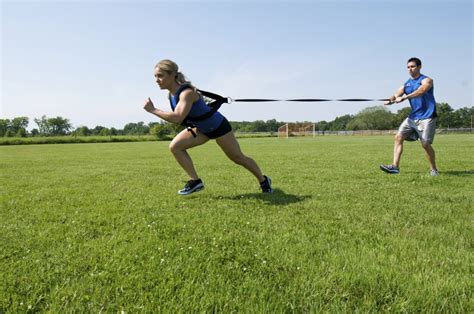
pixel 462 173
pixel 278 197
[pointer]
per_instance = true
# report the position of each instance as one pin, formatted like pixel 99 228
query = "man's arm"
pixel 397 94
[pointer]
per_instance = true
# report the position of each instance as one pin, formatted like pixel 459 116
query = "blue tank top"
pixel 424 106
pixel 199 108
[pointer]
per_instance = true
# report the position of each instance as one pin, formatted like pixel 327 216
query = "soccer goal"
pixel 297 129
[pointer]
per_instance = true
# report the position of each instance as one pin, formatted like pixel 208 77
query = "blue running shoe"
pixel 191 187
pixel 390 169
pixel 266 185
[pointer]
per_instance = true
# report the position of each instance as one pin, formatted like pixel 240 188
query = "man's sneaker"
pixel 434 172
pixel 266 185
pixel 191 187
pixel 390 169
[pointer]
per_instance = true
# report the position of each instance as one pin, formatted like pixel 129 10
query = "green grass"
pixel 99 227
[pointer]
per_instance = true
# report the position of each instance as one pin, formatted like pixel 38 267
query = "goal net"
pixel 296 129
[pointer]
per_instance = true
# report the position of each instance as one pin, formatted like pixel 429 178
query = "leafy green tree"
pixel 152 124
pixel 114 131
pixel 21 132
pixel 175 127
pixel 83 131
pixel 241 126
pixel 340 123
pixel 34 132
pixel 445 115
pixel 372 118
pixel 136 129
pixel 59 126
pixel 465 116
pixel 17 127
pixel 272 125
pixel 18 123
pixel 400 116
pixel 104 132
pixel 4 125
pixel 161 130
pixel 256 126
pixel 9 133
pixel 53 126
pixel 259 126
pixel 97 129
pixel 356 124
pixel 43 125
pixel 321 126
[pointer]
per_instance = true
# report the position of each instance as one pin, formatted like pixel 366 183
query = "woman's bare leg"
pixel 179 145
pixel 231 148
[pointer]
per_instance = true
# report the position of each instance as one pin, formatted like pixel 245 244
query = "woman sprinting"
pixel 187 103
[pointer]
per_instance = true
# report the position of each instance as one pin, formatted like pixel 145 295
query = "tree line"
pixel 371 118
pixel 380 118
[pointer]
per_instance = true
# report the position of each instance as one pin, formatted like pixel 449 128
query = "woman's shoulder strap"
pixel 181 89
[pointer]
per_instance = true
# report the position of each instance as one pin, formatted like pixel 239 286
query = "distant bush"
pixel 72 139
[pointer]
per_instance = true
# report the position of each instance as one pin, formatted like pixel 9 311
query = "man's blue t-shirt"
pixel 424 106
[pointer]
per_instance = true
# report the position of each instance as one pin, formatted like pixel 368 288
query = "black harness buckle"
pixel 189 129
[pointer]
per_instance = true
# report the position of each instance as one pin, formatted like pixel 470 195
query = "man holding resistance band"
pixel 421 123
pixel 187 103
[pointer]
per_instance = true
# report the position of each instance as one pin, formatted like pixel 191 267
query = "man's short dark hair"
pixel 416 60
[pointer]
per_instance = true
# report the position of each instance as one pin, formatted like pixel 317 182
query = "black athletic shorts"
pixel 222 129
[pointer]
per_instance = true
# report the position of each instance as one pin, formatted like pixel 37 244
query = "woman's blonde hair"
pixel 172 68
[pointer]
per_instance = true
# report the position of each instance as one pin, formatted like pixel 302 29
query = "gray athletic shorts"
pixel 413 130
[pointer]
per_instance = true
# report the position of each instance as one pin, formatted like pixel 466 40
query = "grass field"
pixel 99 228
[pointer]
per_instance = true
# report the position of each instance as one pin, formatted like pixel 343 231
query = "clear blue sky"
pixel 92 61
